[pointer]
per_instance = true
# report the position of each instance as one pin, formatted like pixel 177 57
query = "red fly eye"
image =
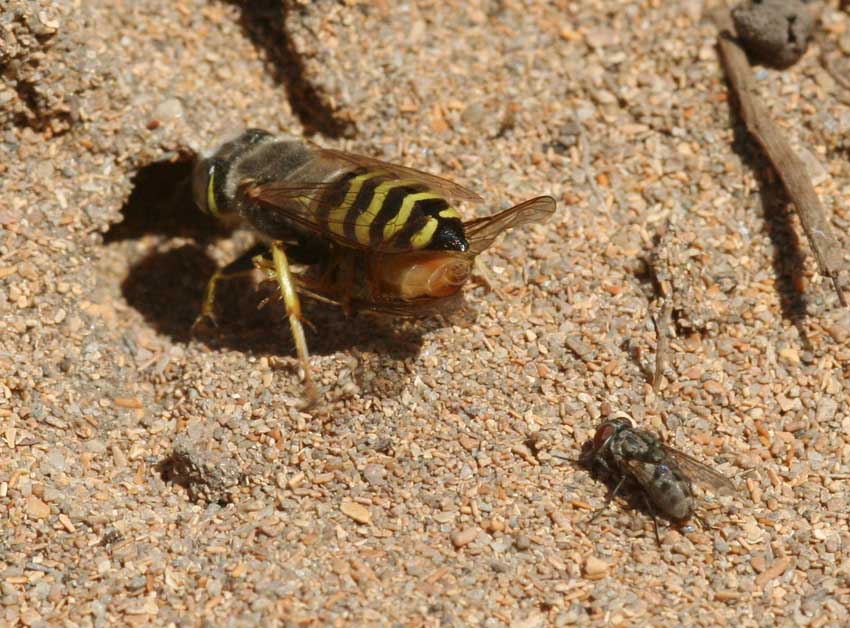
pixel 605 431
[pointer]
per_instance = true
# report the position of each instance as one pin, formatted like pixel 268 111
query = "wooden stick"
pixel 836 75
pixel 662 330
pixel 584 145
pixel 790 168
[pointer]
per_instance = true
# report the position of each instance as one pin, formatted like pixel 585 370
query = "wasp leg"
pixel 286 283
pixel 241 266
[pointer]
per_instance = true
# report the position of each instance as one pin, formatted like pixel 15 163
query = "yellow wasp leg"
pixel 241 267
pixel 207 314
pixel 286 283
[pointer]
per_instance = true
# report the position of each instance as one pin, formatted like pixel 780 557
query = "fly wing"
pixel 414 308
pixel 642 471
pixel 699 473
pixel 481 232
pixel 403 308
pixel 449 189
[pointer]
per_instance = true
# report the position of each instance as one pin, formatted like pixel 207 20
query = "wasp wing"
pixel 296 203
pixel 699 473
pixel 316 198
pixel 481 232
pixel 302 199
pixel 300 204
pixel 449 189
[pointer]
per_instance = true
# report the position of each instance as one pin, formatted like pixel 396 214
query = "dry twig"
pixel 837 76
pixel 788 165
pixel 662 327
pixel 585 163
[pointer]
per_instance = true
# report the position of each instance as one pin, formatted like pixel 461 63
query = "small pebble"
pixel 595 568
pixel 37 508
pixel 168 109
pixel 838 325
pixel 464 537
pixel 356 511
pixel 789 355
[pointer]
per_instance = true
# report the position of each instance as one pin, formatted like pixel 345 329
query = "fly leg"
pixel 240 267
pixel 279 269
pixel 346 280
pixel 651 511
pixel 487 277
pixel 701 521
pixel 609 499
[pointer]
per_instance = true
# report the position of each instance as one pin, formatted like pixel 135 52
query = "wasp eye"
pixel 202 173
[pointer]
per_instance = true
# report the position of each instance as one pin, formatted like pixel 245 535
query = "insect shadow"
pixel 788 257
pixel 160 203
pixel 167 285
pixel 264 23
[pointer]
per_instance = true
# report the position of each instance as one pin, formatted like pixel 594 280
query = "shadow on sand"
pixel 788 257
pixel 264 23
pixel 167 285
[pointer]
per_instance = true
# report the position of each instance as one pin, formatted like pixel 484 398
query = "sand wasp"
pixel 373 236
pixel 665 475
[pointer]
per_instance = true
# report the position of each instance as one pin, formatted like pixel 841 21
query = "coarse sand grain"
pixel 437 484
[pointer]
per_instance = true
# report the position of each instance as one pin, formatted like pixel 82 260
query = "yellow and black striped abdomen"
pixel 376 209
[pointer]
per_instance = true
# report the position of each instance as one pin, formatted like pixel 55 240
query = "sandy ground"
pixel 149 477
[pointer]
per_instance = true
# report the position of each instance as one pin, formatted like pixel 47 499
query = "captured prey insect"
pixel 374 236
pixel 663 474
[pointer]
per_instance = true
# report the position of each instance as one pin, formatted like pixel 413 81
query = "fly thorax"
pixel 629 445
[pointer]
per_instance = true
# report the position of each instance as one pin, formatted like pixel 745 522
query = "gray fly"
pixel 665 475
